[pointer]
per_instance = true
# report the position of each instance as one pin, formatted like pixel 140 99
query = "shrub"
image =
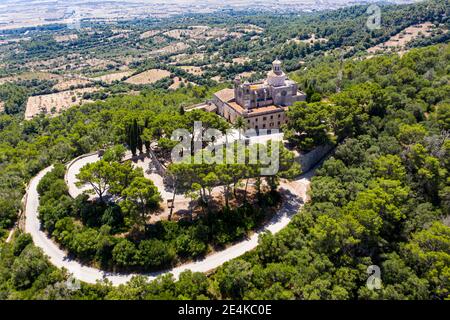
pixel 155 254
pixel 125 253
pixel 49 179
pixel 21 242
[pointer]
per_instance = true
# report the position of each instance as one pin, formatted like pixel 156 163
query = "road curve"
pixel 294 193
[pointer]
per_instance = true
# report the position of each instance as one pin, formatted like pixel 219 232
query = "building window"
pixel 279 116
pixel 248 121
pixel 271 117
pixel 264 126
pixel 278 123
pixel 264 118
pixel 271 124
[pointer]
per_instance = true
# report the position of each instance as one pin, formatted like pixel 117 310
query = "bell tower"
pixel 276 67
pixel 276 77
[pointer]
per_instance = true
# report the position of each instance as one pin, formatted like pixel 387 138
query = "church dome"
pixel 276 77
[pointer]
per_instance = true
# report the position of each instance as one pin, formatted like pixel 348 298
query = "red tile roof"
pixel 267 109
pixel 256 111
pixel 225 95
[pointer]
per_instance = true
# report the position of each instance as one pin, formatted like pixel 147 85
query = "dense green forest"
pixel 382 199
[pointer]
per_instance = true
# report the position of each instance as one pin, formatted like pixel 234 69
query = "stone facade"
pixel 262 104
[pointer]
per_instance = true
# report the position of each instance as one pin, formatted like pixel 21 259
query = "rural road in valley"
pixel 294 193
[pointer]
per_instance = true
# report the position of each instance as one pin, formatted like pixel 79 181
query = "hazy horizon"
pixel 23 13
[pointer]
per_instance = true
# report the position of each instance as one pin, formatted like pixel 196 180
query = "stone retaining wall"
pixel 311 159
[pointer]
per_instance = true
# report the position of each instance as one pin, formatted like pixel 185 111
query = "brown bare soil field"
pixel 66 38
pixel 159 39
pixel 55 102
pixel 54 62
pixel 241 60
pixel 219 33
pixel 72 62
pixel 31 76
pixel 148 77
pixel 119 36
pixel 149 34
pixel 195 32
pixel 110 78
pixel 401 39
pixel 66 84
pixel 171 49
pixel 178 33
pixel 177 82
pixel 187 58
pixel 246 75
pixel 201 33
pixel 95 62
pixel 250 28
pixel 197 71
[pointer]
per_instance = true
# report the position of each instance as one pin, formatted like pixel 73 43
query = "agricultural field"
pixel 31 76
pixel 54 103
pixel 110 78
pixel 171 49
pixel 241 60
pixel 66 38
pixel 184 58
pixel 71 83
pixel 54 63
pixel 149 34
pixel 196 71
pixel 401 39
pixel 246 75
pixel 249 28
pixel 177 81
pixel 201 33
pixel 148 77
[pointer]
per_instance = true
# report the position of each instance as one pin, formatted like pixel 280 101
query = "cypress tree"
pixel 132 138
pixel 139 143
pixel 147 141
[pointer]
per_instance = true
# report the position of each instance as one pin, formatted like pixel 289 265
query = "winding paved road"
pixel 294 194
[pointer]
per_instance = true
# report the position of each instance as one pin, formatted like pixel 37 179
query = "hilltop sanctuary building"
pixel 262 104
